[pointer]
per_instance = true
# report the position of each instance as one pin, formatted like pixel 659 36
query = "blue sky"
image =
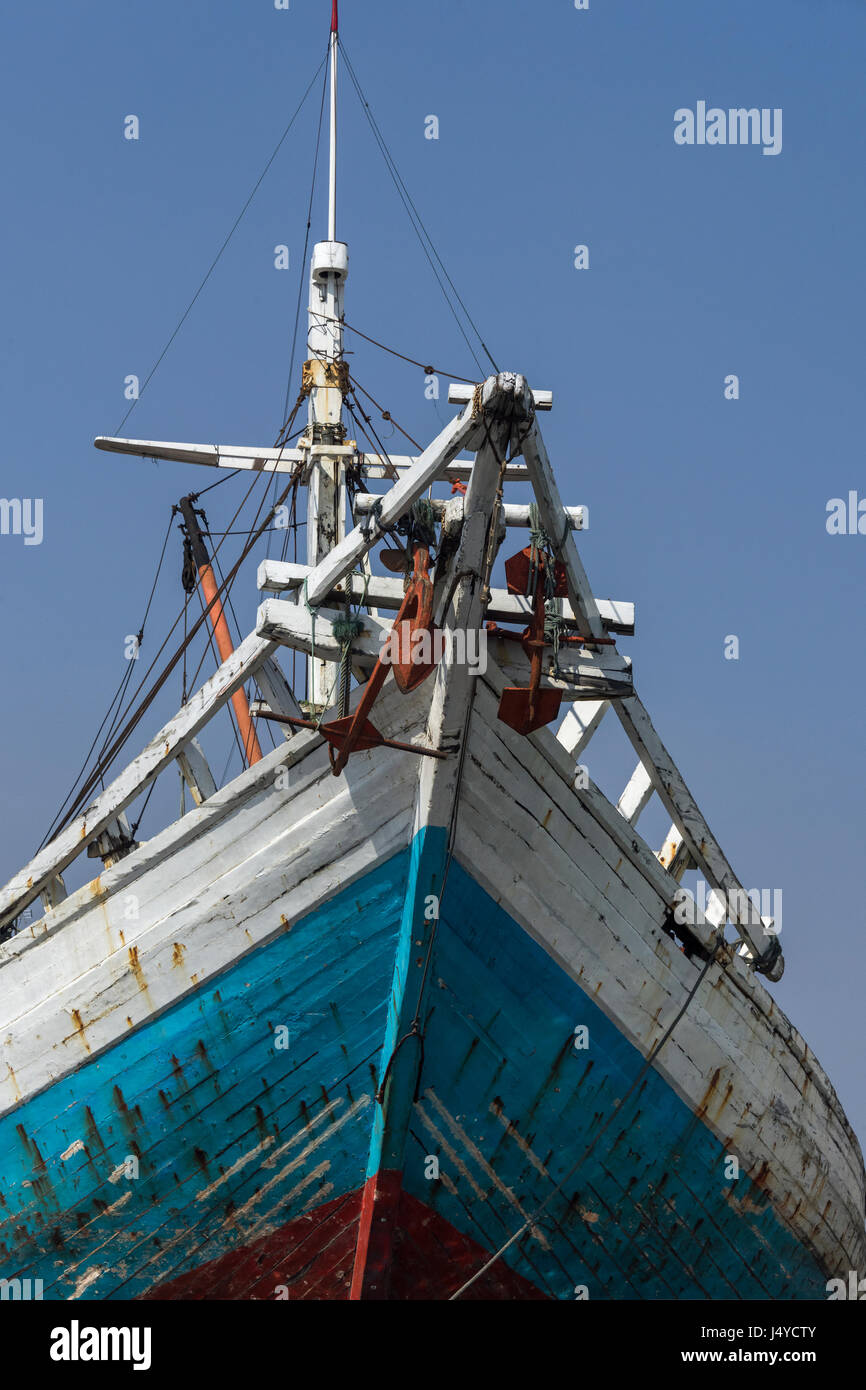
pixel 556 129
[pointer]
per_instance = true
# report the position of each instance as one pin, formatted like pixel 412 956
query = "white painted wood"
pixel 553 520
pixel 684 811
pixel 459 392
pixel 294 626
pixel 377 466
pixel 159 754
pixel 387 591
pixel 636 795
pixel 285 460
pixel 579 725
pixel 674 855
pixel 212 455
pixel 196 772
pixel 239 869
pixel 115 841
pixel 580 670
pixel 751 1084
pixel 512 513
pixel 54 892
pixel 278 694
pixel 453 685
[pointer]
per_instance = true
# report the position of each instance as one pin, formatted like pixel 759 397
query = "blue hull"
pixel 168 1161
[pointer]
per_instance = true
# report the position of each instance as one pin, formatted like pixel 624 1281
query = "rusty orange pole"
pixel 207 579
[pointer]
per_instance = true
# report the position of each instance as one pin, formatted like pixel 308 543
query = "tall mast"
pixel 332 172
pixel 326 378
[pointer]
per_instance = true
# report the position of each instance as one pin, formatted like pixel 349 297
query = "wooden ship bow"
pixel 407 1008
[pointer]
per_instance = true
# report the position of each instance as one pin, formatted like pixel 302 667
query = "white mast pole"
pixel 332 180
pixel 325 375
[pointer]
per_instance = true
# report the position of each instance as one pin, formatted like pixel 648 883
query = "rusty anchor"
pixel 415 618
pixel 525 708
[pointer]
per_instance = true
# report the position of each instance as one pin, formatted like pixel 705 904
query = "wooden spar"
pixel 379 466
pixel 513 513
pixel 159 754
pixel 277 692
pixel 579 725
pixel 697 836
pixel 553 520
pixel 460 433
pixel 211 455
pixel 274 460
pixel 196 772
pixel 636 795
pixel 386 591
pixel 459 392
pixel 249 742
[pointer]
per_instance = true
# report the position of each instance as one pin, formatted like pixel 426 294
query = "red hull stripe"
pixel 312 1257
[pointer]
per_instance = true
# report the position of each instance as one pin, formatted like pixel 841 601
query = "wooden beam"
pixel 212 455
pixel 159 753
pixel 512 513
pixel 196 772
pixel 603 667
pixel 579 725
pixel 697 836
pixel 378 466
pixel 554 522
pixel 292 625
pixel 278 694
pixel 460 392
pixel 674 856
pixel 269 460
pixel 386 591
pixel 636 795
pixel 54 892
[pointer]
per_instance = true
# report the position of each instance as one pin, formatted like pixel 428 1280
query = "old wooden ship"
pixel 408 1009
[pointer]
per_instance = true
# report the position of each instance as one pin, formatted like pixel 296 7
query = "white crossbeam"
pixel 387 591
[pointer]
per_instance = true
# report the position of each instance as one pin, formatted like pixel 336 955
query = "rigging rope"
pixel 219 253
pixel 417 222
pixel 107 755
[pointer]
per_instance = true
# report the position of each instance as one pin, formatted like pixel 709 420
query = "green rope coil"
pixel 424 522
pixel 347 629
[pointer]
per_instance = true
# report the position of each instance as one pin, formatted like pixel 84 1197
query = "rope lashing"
pixel 423 522
pixel 540 544
pixel 346 630
pixel 553 625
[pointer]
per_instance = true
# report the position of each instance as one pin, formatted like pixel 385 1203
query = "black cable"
pixel 119 694
pixel 417 221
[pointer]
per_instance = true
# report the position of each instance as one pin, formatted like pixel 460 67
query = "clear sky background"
pixel 556 128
